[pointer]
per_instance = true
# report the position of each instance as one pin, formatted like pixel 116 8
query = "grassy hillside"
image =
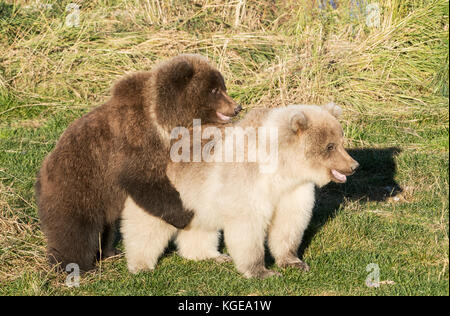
pixel 391 79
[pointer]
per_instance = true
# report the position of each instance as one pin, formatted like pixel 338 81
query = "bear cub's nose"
pixel 355 166
pixel 237 110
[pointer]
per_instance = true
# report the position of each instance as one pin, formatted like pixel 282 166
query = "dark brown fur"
pixel 117 150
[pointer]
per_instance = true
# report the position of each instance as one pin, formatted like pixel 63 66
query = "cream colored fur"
pixel 237 198
pixel 290 220
pixel 145 237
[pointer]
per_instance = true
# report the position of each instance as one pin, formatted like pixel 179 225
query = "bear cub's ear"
pixel 181 72
pixel 299 122
pixel 334 110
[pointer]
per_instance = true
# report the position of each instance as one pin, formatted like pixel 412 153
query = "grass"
pixel 391 80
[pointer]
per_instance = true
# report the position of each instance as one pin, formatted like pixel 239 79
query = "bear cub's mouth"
pixel 339 176
pixel 223 117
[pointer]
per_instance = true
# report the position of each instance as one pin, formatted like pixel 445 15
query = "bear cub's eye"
pixel 330 147
pixel 215 91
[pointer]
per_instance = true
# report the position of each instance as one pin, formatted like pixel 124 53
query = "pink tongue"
pixel 223 117
pixel 339 176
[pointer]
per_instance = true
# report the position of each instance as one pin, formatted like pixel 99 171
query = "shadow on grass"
pixel 373 181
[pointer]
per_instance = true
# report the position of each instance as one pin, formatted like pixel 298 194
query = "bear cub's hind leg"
pixel 107 242
pixel 197 244
pixel 78 245
pixel 145 237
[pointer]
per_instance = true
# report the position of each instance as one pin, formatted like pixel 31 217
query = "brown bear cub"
pixel 121 149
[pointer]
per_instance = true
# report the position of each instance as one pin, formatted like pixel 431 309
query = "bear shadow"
pixel 373 181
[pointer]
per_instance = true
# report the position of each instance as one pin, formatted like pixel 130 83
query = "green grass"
pixel 392 82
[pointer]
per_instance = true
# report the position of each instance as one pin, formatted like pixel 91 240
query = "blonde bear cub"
pixel 245 201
